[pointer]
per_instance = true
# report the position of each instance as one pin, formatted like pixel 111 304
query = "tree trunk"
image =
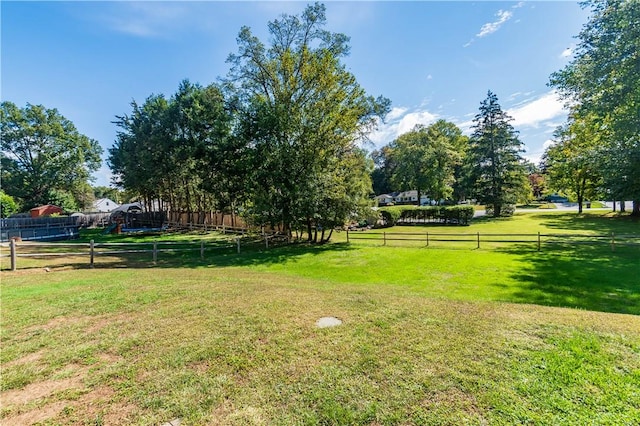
pixel 310 238
pixel 623 208
pixel 579 203
pixel 497 210
pixel 614 205
pixel 636 208
pixel 329 237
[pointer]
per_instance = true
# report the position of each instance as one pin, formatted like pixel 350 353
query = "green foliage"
pixel 62 199
pixel 43 151
pixel 301 114
pixel 426 159
pixel 179 151
pixel 602 83
pixel 572 162
pixel 8 206
pixel 506 210
pixel 393 215
pixel 495 166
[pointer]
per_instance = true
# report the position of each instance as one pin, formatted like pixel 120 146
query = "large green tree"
pixel 602 82
pixel 301 114
pixel 498 177
pixel 572 163
pixel 426 159
pixel 43 154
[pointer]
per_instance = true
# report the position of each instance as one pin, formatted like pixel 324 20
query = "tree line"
pixel 279 138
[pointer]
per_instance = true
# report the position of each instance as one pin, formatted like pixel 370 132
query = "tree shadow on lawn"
pixel 590 277
pixel 604 223
pixel 248 256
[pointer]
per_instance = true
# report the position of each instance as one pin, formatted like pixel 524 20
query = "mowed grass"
pixel 430 336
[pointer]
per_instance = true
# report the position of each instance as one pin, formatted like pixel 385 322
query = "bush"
pixel 461 215
pixel 506 211
pixel 390 215
pixel 8 206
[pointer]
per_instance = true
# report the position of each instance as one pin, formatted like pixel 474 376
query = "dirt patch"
pixel 39 390
pixel 31 358
pixel 58 322
pixel 35 416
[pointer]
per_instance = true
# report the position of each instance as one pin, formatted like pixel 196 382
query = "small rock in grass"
pixel 328 322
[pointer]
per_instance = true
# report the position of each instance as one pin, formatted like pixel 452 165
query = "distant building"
pixel 385 200
pixel 46 210
pixel 104 205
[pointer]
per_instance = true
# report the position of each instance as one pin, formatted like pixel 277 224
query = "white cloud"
pixel 538 111
pixel 429 77
pixel 146 19
pixel 491 27
pixel 398 122
pixel 546 144
pixel 396 112
pixel 567 52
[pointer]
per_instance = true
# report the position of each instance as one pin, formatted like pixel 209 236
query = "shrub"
pixel 506 211
pixel 390 215
pixel 448 214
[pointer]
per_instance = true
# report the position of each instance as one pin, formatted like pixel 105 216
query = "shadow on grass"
pixel 590 277
pixel 604 223
pixel 221 255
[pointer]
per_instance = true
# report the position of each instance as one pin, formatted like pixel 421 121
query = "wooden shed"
pixel 46 210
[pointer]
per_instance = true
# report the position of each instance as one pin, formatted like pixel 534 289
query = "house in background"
pixel 46 210
pixel 104 205
pixel 411 197
pixel 384 200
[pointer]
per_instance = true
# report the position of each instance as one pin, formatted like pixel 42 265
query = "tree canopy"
pixel 302 114
pixel 602 84
pixel 44 157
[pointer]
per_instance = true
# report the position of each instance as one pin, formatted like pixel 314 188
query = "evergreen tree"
pixel 497 174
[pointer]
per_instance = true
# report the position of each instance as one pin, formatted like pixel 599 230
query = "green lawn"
pixel 504 335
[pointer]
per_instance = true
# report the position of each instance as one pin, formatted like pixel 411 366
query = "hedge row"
pixel 460 215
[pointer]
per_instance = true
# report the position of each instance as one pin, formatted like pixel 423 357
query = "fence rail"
pixel 94 250
pixel 539 239
pixel 154 249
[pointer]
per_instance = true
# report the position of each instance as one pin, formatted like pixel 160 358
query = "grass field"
pixel 506 335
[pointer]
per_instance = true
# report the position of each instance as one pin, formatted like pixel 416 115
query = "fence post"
pixel 347 235
pixel 384 236
pixel 427 239
pixel 613 242
pixel 538 240
pixel 238 242
pixel 155 252
pixel 14 255
pixel 91 253
pixel 202 249
pixel 478 240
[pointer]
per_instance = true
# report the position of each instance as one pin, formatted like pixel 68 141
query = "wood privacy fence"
pixel 68 253
pixel 477 240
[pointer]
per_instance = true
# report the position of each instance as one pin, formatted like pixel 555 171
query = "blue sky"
pixel 432 59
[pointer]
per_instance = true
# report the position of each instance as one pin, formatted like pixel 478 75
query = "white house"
pixel 104 205
pixel 411 197
pixel 384 199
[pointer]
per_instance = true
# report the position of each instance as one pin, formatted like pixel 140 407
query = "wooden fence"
pixel 477 240
pixel 147 252
pixel 150 252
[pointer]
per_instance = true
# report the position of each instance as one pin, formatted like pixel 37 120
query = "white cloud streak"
pixel 538 111
pixel 492 27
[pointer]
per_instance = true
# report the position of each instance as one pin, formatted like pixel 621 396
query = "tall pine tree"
pixel 497 174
